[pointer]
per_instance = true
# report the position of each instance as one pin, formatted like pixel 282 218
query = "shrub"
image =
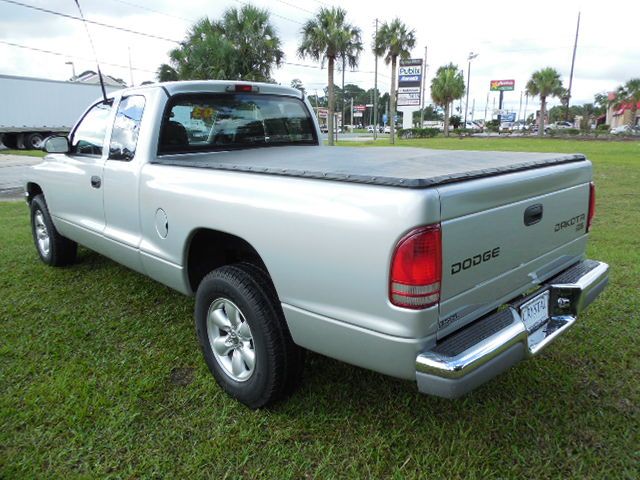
pixel 418 132
pixel 603 126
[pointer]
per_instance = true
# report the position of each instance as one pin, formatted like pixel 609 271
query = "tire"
pixel 53 249
pixel 250 353
pixel 10 140
pixel 34 141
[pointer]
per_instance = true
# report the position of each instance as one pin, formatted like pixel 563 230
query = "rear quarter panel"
pixel 327 245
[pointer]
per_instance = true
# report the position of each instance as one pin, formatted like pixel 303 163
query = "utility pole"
pixel 526 104
pixel 351 114
pixel 375 90
pixel 485 108
pixel 473 109
pixel 343 67
pixel 130 68
pixel 519 108
pixel 573 61
pixel 424 74
pixel 466 103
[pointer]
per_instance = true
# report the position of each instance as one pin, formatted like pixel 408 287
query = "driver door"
pixel 76 194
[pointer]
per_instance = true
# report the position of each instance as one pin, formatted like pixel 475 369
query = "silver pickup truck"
pixel 440 267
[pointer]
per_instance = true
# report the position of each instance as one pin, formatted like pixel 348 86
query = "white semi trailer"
pixel 31 109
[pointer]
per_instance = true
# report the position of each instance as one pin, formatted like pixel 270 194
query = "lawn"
pixel 28 153
pixel 101 376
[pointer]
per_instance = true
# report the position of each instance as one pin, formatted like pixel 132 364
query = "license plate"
pixel 536 311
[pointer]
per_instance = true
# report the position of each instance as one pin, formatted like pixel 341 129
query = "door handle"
pixel 96 182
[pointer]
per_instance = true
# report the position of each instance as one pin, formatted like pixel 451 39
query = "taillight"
pixel 416 269
pixel 592 204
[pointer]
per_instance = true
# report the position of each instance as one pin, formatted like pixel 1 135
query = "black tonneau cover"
pixel 398 167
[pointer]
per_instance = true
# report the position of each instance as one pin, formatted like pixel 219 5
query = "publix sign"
pixel 409 82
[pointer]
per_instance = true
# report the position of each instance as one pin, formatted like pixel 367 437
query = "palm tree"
pixel 328 36
pixel 241 46
pixel 166 73
pixel 447 86
pixel 629 93
pixel 394 40
pixel 257 44
pixel 545 83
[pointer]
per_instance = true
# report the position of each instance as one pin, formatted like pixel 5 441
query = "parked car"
pixel 519 127
pixel 387 129
pixel 473 126
pixel 443 268
pixel 562 125
pixel 626 130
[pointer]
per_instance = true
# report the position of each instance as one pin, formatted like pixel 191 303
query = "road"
pixel 13 169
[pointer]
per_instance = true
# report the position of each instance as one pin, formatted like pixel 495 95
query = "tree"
pixel 447 86
pixel 297 84
pixel 326 37
pixel 429 113
pixel 166 73
pixel 394 40
pixel 629 95
pixel 544 83
pixel 243 45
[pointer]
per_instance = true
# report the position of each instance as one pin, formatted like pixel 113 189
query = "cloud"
pixel 512 40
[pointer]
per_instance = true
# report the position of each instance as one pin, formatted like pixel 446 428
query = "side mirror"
pixel 56 144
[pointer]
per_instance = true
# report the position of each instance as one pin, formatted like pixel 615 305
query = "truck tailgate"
pixel 505 234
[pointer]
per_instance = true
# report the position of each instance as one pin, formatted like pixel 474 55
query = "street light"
pixel 466 104
pixel 73 69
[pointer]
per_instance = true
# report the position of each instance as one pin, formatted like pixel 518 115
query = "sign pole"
pixel 500 108
pixel 375 91
pixel 424 74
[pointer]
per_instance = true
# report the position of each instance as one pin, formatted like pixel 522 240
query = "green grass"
pixel 29 153
pixel 101 377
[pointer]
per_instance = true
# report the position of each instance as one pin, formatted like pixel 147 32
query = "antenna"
pixel 93 48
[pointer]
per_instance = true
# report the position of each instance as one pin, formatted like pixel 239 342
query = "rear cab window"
pixel 215 122
pixel 126 127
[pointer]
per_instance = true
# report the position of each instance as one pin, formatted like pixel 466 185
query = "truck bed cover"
pixel 398 167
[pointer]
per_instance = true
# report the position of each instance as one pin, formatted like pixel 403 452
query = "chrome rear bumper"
pixel 490 345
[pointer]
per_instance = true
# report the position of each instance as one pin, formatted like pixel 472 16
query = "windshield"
pixel 211 122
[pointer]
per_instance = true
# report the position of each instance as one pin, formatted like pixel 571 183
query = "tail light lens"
pixel 592 204
pixel 416 269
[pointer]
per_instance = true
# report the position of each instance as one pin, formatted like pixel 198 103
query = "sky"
pixel 512 39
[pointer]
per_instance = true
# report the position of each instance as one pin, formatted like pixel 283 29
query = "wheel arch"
pixel 207 249
pixel 32 189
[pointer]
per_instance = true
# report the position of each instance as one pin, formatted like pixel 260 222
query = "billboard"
pixel 410 82
pixel 502 85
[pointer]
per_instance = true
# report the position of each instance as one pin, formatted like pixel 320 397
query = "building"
pixel 622 115
pixel 90 76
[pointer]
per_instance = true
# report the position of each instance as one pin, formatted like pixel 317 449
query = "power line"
pixel 296 6
pixel 271 13
pixel 106 25
pixel 148 35
pixel 159 12
pixel 60 54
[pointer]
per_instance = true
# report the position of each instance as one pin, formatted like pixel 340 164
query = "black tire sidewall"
pixel 254 307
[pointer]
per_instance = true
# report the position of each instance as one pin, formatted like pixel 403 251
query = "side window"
pixel 126 126
pixel 88 137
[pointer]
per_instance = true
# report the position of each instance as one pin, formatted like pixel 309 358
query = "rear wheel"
pixel 53 249
pixel 33 141
pixel 10 140
pixel 244 337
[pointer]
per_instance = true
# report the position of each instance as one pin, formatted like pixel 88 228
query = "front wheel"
pixel 53 249
pixel 244 337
